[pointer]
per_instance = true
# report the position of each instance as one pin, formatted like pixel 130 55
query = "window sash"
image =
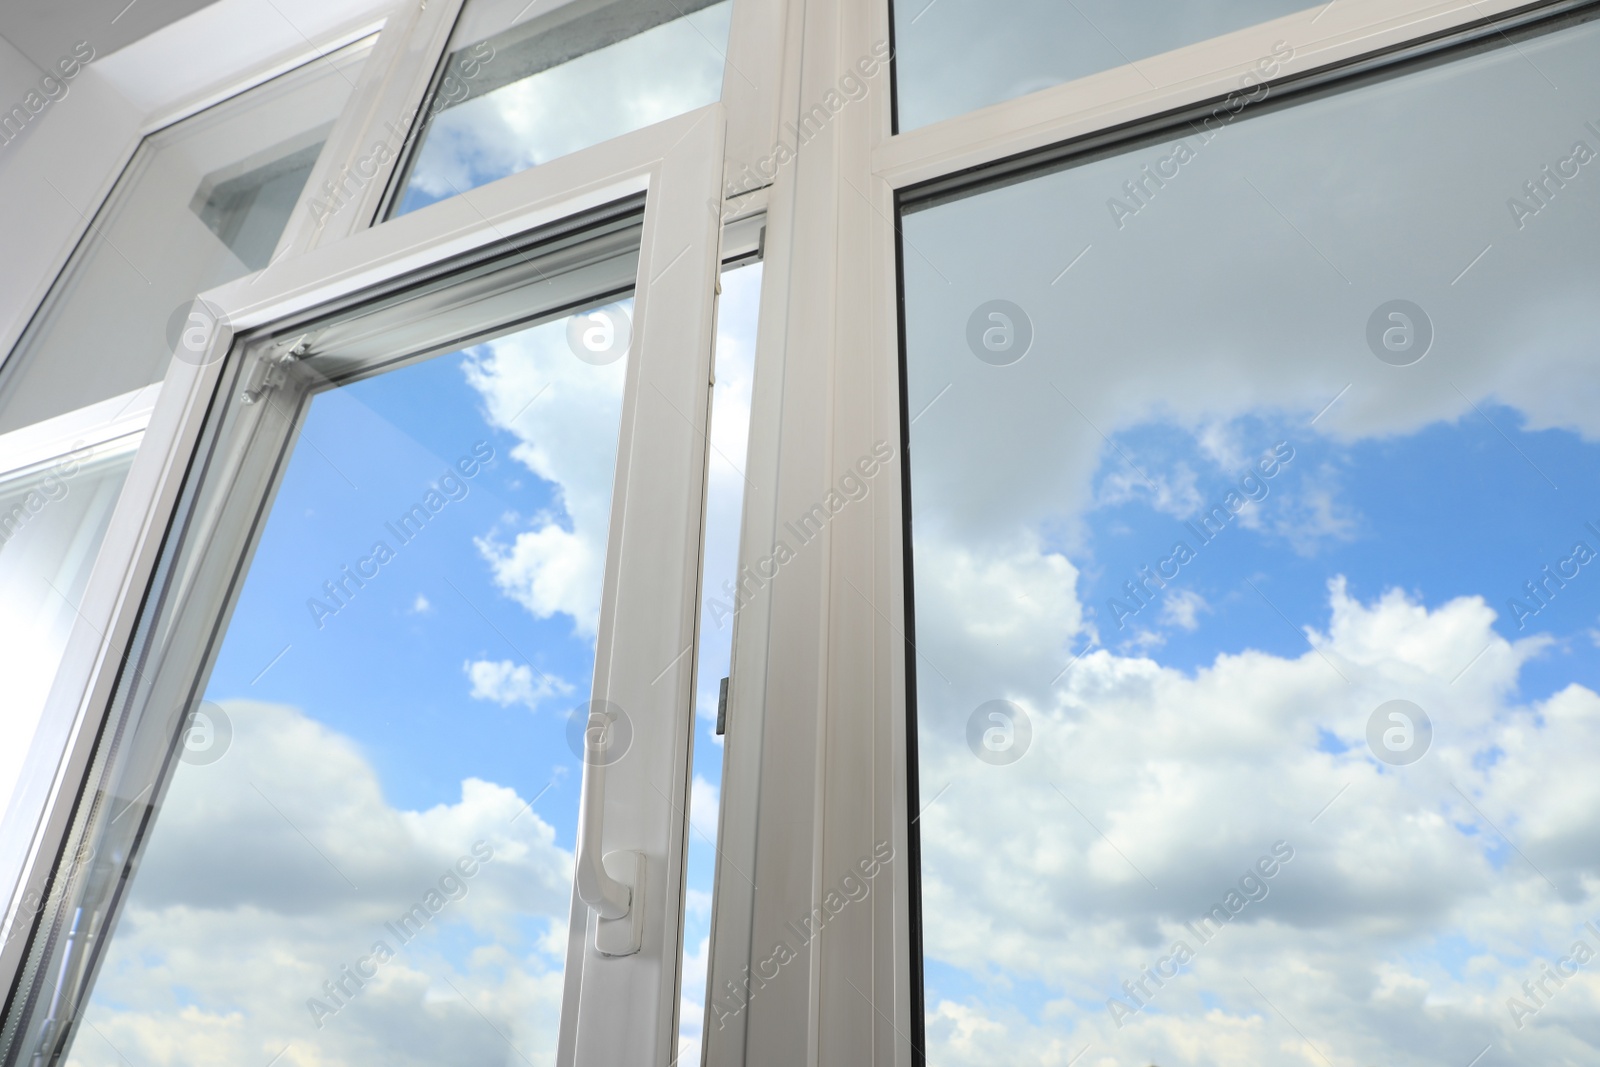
pixel 650 595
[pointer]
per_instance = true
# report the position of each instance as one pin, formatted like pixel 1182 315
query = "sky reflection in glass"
pixel 489 120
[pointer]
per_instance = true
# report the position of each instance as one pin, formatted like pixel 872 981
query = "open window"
pixel 375 728
pixel 395 763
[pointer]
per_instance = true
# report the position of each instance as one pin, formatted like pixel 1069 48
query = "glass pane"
pixel 52 521
pixel 1004 54
pixel 365 852
pixel 202 203
pixel 523 86
pixel 1257 696
pixel 737 311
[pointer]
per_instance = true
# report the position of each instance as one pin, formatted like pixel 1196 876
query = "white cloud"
pixel 1407 917
pixel 960 1031
pixel 706 704
pixel 1314 516
pixel 697 904
pixel 506 683
pixel 1172 493
pixel 551 570
pixel 1221 441
pixel 644 79
pixel 272 869
pixel 730 397
pixel 1181 781
pixel 565 413
pixel 1143 641
pixel 704 806
pixel 421 605
pixel 1182 608
pixel 691 1005
pixel 998 608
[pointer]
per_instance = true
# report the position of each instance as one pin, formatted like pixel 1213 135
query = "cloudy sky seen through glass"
pixel 1089 383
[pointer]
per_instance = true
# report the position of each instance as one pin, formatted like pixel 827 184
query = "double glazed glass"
pixel 354 836
pixel 1022 47
pixel 1256 557
pixel 526 83
pixel 203 202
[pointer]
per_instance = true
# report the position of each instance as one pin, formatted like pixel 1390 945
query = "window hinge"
pixel 269 372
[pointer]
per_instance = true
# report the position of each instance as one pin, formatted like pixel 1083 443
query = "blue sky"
pixel 381 671
pixel 1411 512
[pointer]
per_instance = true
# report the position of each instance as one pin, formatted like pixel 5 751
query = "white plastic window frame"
pixel 407 46
pixel 37 786
pixel 88 427
pixel 817 744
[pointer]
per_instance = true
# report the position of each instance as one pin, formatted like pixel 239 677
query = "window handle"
pixel 612 885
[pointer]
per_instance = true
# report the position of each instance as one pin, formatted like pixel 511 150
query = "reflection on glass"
pixel 737 310
pixel 202 203
pixel 1255 530
pixel 1024 47
pixel 246 205
pixel 523 85
pixel 52 520
pixel 365 853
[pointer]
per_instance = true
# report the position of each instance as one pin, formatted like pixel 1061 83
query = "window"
pixel 1122 601
pixel 1251 643
pixel 442 434
pixel 522 86
pixel 376 799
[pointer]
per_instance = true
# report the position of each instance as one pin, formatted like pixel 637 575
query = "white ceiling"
pixel 46 30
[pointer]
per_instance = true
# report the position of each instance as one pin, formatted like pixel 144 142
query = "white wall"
pixel 54 177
